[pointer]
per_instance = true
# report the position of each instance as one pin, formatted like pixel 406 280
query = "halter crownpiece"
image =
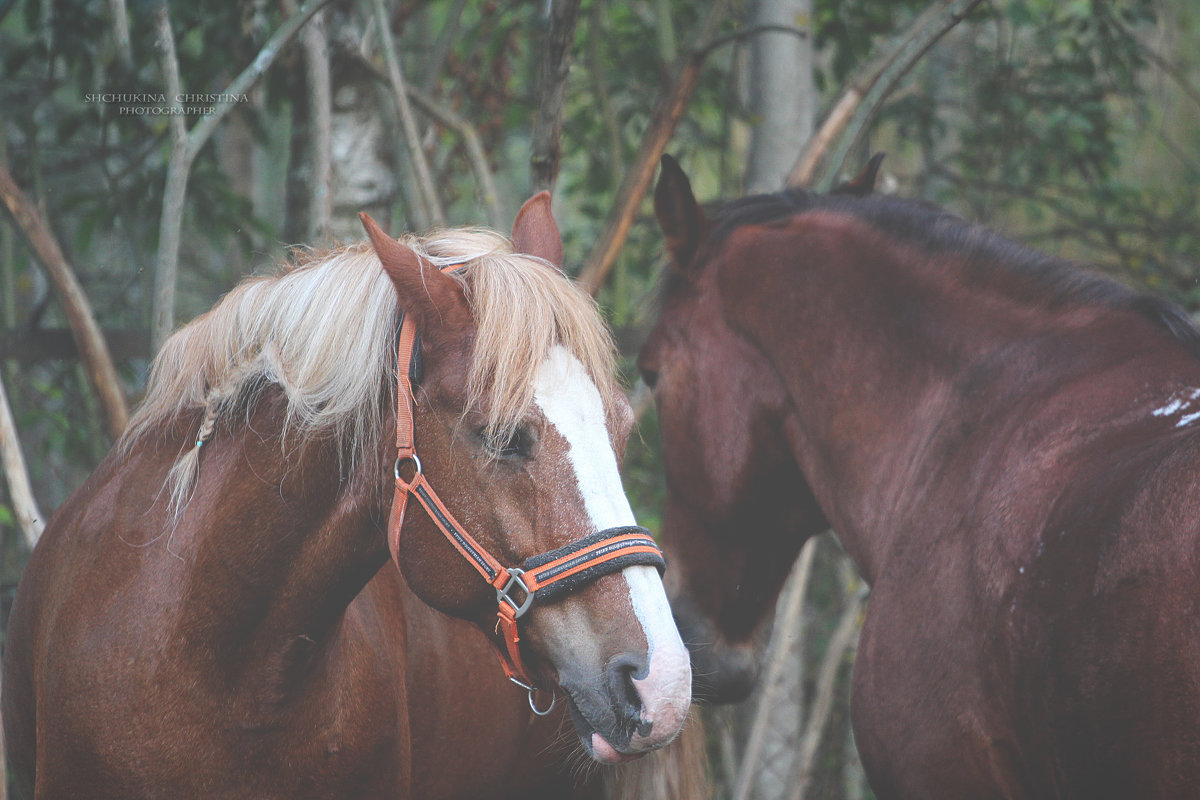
pixel 543 578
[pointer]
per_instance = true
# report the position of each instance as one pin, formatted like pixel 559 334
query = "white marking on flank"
pixel 1181 401
pixel 1169 408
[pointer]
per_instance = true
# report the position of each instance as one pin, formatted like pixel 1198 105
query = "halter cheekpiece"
pixel 541 578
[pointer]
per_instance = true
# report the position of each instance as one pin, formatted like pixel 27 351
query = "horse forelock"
pixel 523 306
pixel 323 330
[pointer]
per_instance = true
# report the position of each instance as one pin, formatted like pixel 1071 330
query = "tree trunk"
pixel 774 733
pixel 78 310
pixel 298 188
pixel 552 92
pixel 783 95
pixel 20 490
pixel 320 87
pixel 868 88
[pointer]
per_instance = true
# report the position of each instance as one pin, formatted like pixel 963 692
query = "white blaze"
pixel 571 403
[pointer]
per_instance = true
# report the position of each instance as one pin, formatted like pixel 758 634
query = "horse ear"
pixel 863 183
pixel 536 233
pixel 425 291
pixel 678 214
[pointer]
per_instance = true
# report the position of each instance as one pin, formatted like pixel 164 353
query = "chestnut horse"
pixel 212 613
pixel 1007 446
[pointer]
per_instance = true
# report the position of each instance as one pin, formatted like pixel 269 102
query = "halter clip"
pixel 532 700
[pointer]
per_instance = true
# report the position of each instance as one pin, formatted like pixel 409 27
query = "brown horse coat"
pixel 212 614
pixel 1009 449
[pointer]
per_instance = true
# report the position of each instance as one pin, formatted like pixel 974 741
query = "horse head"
pixel 737 508
pixel 521 428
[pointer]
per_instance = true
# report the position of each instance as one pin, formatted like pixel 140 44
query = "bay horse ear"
pixel 431 296
pixel 863 183
pixel 536 233
pixel 678 213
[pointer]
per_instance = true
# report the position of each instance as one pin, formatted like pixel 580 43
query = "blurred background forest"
pixel 1070 124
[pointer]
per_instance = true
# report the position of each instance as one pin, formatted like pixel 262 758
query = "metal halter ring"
pixel 416 466
pixel 532 691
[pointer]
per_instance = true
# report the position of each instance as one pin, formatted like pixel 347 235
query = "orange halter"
pixel 545 577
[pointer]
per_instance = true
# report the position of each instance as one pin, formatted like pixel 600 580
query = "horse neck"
pixel 279 541
pixel 886 362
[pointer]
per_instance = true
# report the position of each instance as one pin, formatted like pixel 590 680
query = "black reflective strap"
pixel 551 588
pixel 448 527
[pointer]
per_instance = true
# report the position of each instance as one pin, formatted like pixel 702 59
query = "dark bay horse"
pixel 213 613
pixel 1007 446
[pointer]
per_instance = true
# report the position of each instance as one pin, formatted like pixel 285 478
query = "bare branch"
pixel 787 627
pixel 1170 70
pixel 471 141
pixel 427 191
pixel 475 152
pixel 87 333
pixel 183 155
pixel 868 88
pixel 751 32
pixel 603 97
pixel 19 487
pixel 120 24
pixel 320 85
pixel 843 638
pixel 552 90
pixel 441 47
pixel 670 106
pixel 835 123
pixel 178 166
pixel 249 76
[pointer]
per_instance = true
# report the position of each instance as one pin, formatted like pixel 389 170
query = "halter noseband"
pixel 546 577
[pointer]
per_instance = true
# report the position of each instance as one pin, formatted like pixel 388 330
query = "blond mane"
pixel 323 330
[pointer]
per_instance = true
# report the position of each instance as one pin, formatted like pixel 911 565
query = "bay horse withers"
pixel 1007 446
pixel 212 613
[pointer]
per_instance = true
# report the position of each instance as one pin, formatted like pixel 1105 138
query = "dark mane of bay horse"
pixel 1001 264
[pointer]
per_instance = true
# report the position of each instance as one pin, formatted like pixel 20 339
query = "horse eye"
pixel 518 445
pixel 648 366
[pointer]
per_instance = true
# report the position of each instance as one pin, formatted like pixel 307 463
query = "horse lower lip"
pixel 605 753
pixel 596 743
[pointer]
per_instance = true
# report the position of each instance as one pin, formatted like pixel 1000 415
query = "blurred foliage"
pixel 1045 126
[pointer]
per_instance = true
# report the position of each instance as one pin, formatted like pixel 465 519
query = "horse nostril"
pixel 622 671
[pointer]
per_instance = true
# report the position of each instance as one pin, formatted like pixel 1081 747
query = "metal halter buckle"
pixel 514 580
